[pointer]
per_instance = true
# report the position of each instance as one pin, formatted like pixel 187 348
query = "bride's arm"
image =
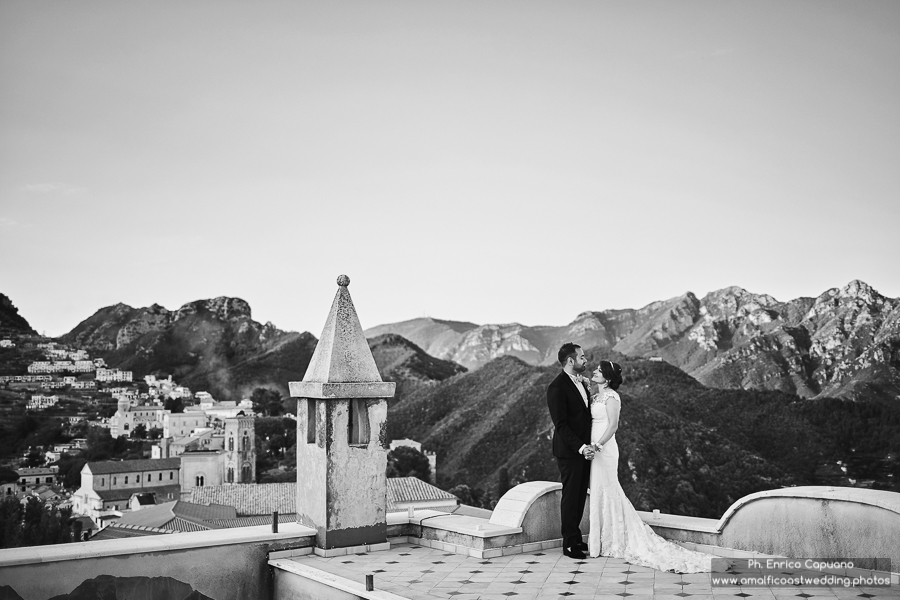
pixel 613 404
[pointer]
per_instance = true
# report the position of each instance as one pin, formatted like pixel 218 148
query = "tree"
pixel 476 497
pixel 37 523
pixel 34 459
pixel 70 470
pixel 11 513
pixel 406 461
pixel 155 433
pixel 174 404
pixel 7 475
pixel 502 482
pixel 267 402
pixel 102 446
pixel 139 431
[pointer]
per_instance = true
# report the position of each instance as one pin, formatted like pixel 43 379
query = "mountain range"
pixel 10 319
pixel 215 345
pixel 844 343
pixel 684 448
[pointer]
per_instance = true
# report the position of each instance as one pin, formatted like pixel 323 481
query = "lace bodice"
pixel 599 402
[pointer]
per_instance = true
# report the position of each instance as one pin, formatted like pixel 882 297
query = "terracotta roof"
pixel 133 466
pixel 114 531
pixel 250 498
pixel 181 524
pixel 251 521
pixel 178 515
pixel 410 489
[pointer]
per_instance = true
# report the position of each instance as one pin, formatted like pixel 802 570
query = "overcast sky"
pixel 483 161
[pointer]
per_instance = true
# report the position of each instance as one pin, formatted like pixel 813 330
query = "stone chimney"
pixel 341 447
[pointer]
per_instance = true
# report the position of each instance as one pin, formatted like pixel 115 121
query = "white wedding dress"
pixel 616 528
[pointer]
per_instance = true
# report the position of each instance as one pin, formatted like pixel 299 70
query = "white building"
pixel 37 476
pixel 107 487
pixel 128 417
pixel 40 402
pixel 24 378
pixel 206 400
pixel 61 366
pixel 7 344
pixel 179 425
pixel 112 375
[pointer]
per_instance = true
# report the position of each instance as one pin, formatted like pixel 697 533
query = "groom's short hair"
pixel 568 349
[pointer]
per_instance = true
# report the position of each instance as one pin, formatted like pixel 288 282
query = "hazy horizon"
pixel 489 162
pixel 327 304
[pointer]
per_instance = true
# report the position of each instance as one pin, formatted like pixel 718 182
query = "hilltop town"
pixel 170 459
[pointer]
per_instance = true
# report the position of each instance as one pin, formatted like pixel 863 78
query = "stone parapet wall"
pixel 225 564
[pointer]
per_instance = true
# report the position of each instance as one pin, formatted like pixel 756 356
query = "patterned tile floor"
pixel 420 573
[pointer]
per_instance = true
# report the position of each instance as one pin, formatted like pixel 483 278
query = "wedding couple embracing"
pixel 584 444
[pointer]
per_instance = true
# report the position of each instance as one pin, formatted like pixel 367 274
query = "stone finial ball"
pixel 343 280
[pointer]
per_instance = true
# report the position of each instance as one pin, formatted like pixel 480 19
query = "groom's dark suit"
pixel 572 430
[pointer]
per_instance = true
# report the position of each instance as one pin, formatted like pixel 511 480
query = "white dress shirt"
pixel 584 397
pixel 580 388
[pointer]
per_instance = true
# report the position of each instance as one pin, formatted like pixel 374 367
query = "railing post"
pixel 274 521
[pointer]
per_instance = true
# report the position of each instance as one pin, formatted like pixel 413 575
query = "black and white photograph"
pixel 463 300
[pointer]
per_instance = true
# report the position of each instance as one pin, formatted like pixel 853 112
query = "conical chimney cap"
pixel 342 365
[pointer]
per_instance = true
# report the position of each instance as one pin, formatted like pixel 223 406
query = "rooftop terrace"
pixel 416 572
pixel 345 532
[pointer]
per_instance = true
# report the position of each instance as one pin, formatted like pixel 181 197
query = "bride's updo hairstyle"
pixel 612 373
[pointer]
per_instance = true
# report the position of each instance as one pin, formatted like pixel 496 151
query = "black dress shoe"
pixel 574 552
pixel 581 546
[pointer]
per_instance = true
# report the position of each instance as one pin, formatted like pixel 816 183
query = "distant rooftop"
pixel 411 489
pixel 36 471
pixel 145 499
pixel 131 466
pixel 263 498
pixel 115 531
pixel 250 498
pixel 126 493
pixel 179 516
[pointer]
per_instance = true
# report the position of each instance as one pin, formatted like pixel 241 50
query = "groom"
pixel 567 399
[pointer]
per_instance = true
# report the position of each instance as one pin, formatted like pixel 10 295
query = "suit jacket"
pixel 571 418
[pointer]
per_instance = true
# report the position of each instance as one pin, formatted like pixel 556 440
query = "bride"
pixel 616 528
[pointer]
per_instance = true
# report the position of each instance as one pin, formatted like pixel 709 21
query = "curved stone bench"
pixel 799 522
pixel 826 522
pixel 534 506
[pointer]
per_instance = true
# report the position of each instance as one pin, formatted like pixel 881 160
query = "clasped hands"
pixel 591 451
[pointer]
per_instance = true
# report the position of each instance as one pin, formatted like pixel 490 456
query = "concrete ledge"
pixel 285 569
pixel 887 500
pixel 472 526
pixel 668 521
pixel 337 391
pixel 291 553
pixel 329 552
pixel 288 532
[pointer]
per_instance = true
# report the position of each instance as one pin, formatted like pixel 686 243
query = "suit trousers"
pixel 575 474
